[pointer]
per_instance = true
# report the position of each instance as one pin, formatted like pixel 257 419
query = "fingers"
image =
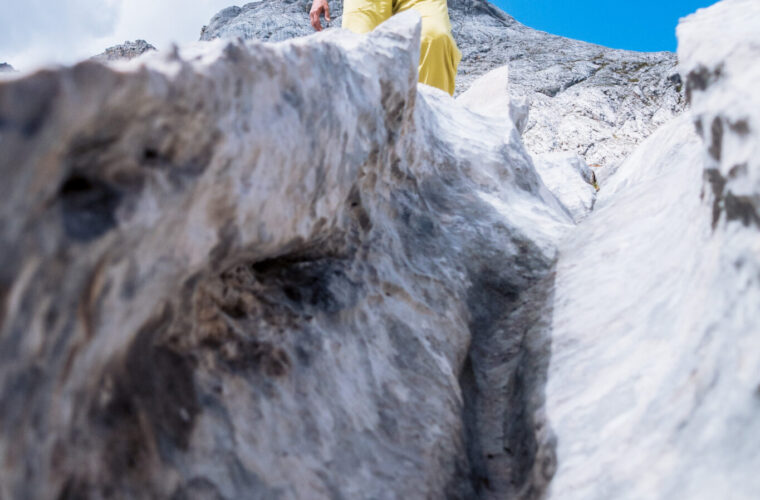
pixel 327 12
pixel 314 17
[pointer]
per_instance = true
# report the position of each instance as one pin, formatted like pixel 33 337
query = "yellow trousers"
pixel 439 54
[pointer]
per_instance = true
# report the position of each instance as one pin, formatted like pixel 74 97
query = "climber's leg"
pixel 362 16
pixel 439 55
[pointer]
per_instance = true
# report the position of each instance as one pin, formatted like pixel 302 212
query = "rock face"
pixel 126 51
pixel 287 271
pixel 597 102
pixel 269 20
pixel 654 382
pixel 6 68
pixel 584 98
pixel 215 286
pixel 571 180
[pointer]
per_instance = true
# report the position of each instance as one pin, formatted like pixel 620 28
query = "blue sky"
pixel 647 25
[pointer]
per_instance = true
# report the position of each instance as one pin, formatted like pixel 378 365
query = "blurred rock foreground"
pixel 216 285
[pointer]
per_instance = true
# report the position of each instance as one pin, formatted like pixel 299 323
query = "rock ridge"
pixel 125 51
pixel 198 301
pixel 587 99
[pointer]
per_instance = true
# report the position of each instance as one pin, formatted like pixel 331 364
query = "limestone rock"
pixel 570 179
pixel 489 96
pixel 266 271
pixel 654 383
pixel 269 20
pixel 126 51
pixel 584 98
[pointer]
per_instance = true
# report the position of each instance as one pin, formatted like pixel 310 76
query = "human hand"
pixel 318 8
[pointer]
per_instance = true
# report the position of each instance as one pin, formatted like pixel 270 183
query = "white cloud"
pixel 37 32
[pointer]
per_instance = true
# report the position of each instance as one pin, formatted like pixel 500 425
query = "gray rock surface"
pixel 268 20
pixel 654 383
pixel 216 286
pixel 6 68
pixel 126 51
pixel 285 270
pixel 584 98
pixel 571 180
pixel 489 95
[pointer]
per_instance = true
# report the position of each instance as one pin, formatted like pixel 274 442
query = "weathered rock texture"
pixel 253 270
pixel 215 285
pixel 565 174
pixel 584 98
pixel 654 382
pixel 125 51
pixel 268 20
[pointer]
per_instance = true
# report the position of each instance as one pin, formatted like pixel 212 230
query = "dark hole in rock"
pixel 88 207
pixel 307 283
pixel 150 154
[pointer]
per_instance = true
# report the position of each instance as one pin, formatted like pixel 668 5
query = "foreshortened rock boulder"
pixel 258 270
pixel 250 270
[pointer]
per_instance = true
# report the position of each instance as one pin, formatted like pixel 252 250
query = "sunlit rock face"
pixel 248 270
pixel 594 101
pixel 654 383
pixel 284 270
pixel 125 52
pixel 268 20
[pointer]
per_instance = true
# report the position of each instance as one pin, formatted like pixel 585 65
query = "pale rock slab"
pixel 653 389
pixel 569 178
pixel 489 96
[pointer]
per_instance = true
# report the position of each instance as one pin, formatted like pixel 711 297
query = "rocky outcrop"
pixel 565 174
pixel 215 285
pixel 594 101
pixel 125 51
pixel 268 20
pixel 654 383
pixel 6 68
